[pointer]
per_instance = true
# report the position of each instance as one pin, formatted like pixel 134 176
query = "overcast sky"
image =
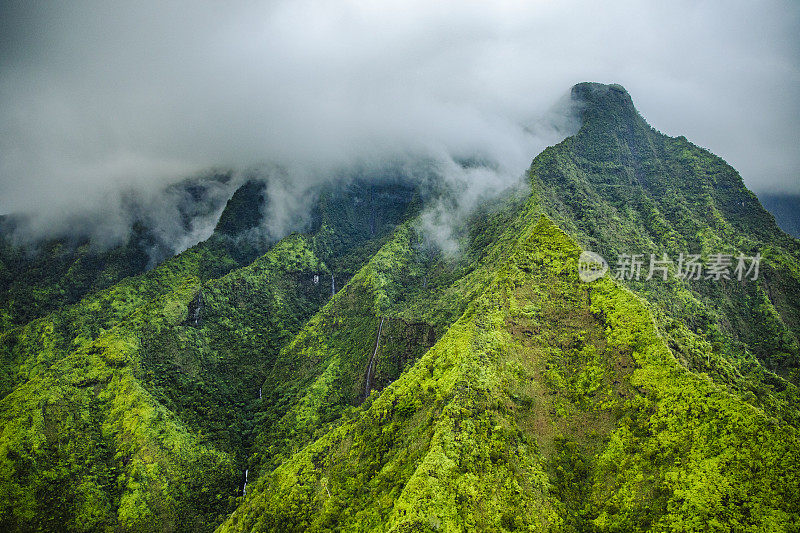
pixel 96 95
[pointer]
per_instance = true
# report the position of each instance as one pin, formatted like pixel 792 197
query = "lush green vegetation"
pixel 34 282
pixel 490 391
pixel 147 390
pixel 549 404
pixel 619 186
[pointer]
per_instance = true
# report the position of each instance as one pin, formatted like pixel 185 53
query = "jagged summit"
pixel 592 91
pixel 609 120
pixel 604 100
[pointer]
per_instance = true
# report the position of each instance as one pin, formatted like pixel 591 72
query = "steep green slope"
pixel 190 359
pixel 85 447
pixel 58 273
pixel 29 349
pixel 115 453
pixel 550 404
pixel 389 314
pixel 621 187
pixel 146 389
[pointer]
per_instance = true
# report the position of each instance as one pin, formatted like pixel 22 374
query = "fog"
pixel 99 100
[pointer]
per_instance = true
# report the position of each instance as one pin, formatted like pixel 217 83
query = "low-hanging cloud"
pixel 102 97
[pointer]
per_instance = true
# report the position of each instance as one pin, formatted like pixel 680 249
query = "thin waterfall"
pixel 333 285
pixel 199 308
pixel 244 488
pixel 372 360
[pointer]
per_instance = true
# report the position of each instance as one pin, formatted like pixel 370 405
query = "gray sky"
pixel 95 96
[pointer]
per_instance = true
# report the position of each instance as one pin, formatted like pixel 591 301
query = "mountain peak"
pixel 609 120
pixel 593 89
pixel 610 104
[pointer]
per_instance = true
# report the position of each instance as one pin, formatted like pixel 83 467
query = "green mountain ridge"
pixel 292 497
pixel 493 391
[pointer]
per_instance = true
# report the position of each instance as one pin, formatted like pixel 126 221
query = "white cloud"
pixel 98 96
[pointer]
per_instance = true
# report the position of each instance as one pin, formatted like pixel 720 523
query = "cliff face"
pixel 492 391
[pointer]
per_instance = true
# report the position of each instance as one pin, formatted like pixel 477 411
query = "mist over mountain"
pixel 107 101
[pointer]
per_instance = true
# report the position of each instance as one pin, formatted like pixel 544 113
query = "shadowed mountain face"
pixel 786 210
pixel 366 382
pixel 39 275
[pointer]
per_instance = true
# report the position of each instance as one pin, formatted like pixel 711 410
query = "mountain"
pixel 353 377
pixel 39 275
pixel 786 209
